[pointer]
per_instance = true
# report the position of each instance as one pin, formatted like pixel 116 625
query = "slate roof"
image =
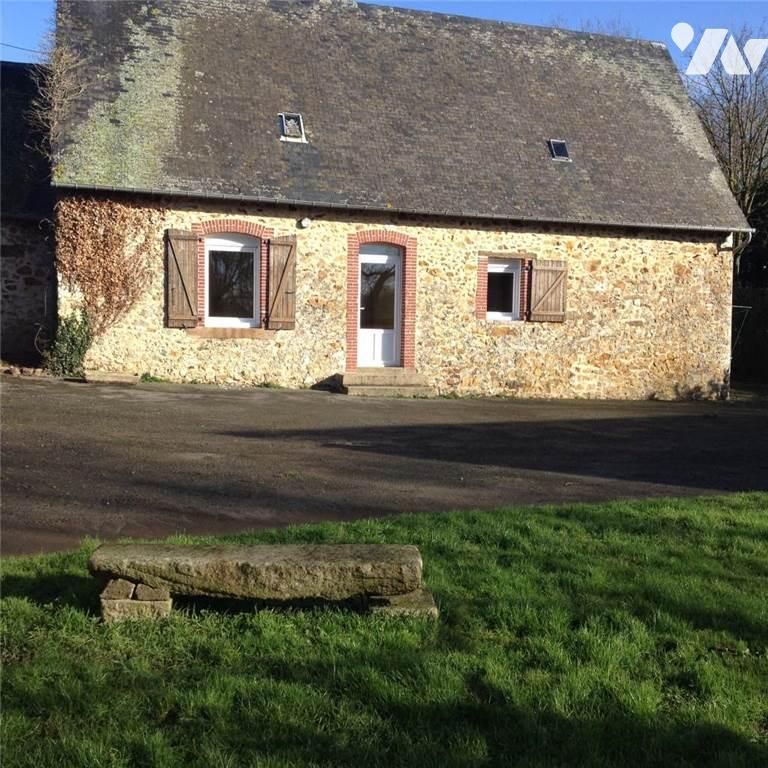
pixel 25 190
pixel 404 111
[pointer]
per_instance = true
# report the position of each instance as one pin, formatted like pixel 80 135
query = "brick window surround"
pixel 233 227
pixel 481 295
pixel 407 246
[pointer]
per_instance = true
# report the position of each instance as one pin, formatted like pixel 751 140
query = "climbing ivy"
pixel 104 251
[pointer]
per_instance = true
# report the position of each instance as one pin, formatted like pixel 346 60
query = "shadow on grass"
pixel 387 726
pixel 80 592
pixel 500 732
pixel 571 636
pixel 232 606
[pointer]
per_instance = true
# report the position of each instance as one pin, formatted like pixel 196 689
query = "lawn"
pixel 623 634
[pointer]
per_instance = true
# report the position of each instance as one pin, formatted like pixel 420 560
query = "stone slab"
pixel 384 377
pixel 118 610
pixel 388 391
pixel 265 572
pixel 145 592
pixel 118 589
pixel 420 603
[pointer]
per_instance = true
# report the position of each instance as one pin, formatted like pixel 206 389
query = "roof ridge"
pixel 20 64
pixel 496 22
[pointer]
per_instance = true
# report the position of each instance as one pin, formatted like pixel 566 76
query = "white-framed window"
pixel 504 290
pixel 232 281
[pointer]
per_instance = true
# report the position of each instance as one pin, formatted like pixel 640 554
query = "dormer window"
pixel 559 150
pixel 292 127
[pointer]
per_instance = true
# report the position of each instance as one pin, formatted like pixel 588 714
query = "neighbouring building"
pixel 401 198
pixel 27 277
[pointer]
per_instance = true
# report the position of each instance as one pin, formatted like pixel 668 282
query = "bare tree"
pixel 59 82
pixel 734 112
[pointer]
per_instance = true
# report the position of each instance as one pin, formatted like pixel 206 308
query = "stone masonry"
pixel 648 313
pixel 28 287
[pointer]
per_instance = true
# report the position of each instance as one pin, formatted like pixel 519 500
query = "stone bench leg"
pixel 122 599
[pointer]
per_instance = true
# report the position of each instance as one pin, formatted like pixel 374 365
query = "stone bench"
pixel 141 579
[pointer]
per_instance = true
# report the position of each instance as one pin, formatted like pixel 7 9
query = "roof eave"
pixel 717 228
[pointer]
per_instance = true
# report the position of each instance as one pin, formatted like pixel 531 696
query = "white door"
pixel 378 335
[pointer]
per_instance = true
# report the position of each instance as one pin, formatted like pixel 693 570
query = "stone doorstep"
pixel 384 377
pixel 386 382
pixel 419 604
pixel 387 391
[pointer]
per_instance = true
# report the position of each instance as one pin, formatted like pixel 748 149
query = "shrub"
pixel 66 355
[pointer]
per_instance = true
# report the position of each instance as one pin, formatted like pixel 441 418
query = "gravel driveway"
pixel 154 459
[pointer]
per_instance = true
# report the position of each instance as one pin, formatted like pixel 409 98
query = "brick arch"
pixel 408 321
pixel 233 227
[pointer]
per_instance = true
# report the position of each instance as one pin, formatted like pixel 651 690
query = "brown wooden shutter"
pixel 181 278
pixel 547 291
pixel 281 314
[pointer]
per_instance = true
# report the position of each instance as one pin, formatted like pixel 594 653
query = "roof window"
pixel 559 150
pixel 291 127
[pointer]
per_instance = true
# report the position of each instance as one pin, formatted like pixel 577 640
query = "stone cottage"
pixel 400 198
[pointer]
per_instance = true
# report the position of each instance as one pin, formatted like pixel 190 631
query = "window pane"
pixel 377 296
pixel 501 287
pixel 230 284
pixel 560 150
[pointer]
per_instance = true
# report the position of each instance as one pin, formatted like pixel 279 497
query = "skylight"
pixel 291 127
pixel 559 150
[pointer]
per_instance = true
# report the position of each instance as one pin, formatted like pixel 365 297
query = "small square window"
pixel 291 127
pixel 559 150
pixel 503 302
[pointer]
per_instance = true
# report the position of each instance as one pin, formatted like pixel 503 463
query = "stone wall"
pixel 648 313
pixel 28 287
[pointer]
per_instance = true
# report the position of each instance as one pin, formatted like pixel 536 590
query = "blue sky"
pixel 22 22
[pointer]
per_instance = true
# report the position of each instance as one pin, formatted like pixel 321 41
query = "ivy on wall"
pixel 103 252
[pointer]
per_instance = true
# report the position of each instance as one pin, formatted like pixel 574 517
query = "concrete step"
pixel 381 390
pixel 384 377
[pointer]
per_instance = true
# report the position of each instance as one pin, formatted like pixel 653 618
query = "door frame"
pixel 407 245
pixel 372 257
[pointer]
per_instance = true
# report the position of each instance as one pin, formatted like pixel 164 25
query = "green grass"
pixel 624 634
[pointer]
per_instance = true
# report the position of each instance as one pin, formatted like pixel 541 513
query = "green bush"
pixel 66 355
